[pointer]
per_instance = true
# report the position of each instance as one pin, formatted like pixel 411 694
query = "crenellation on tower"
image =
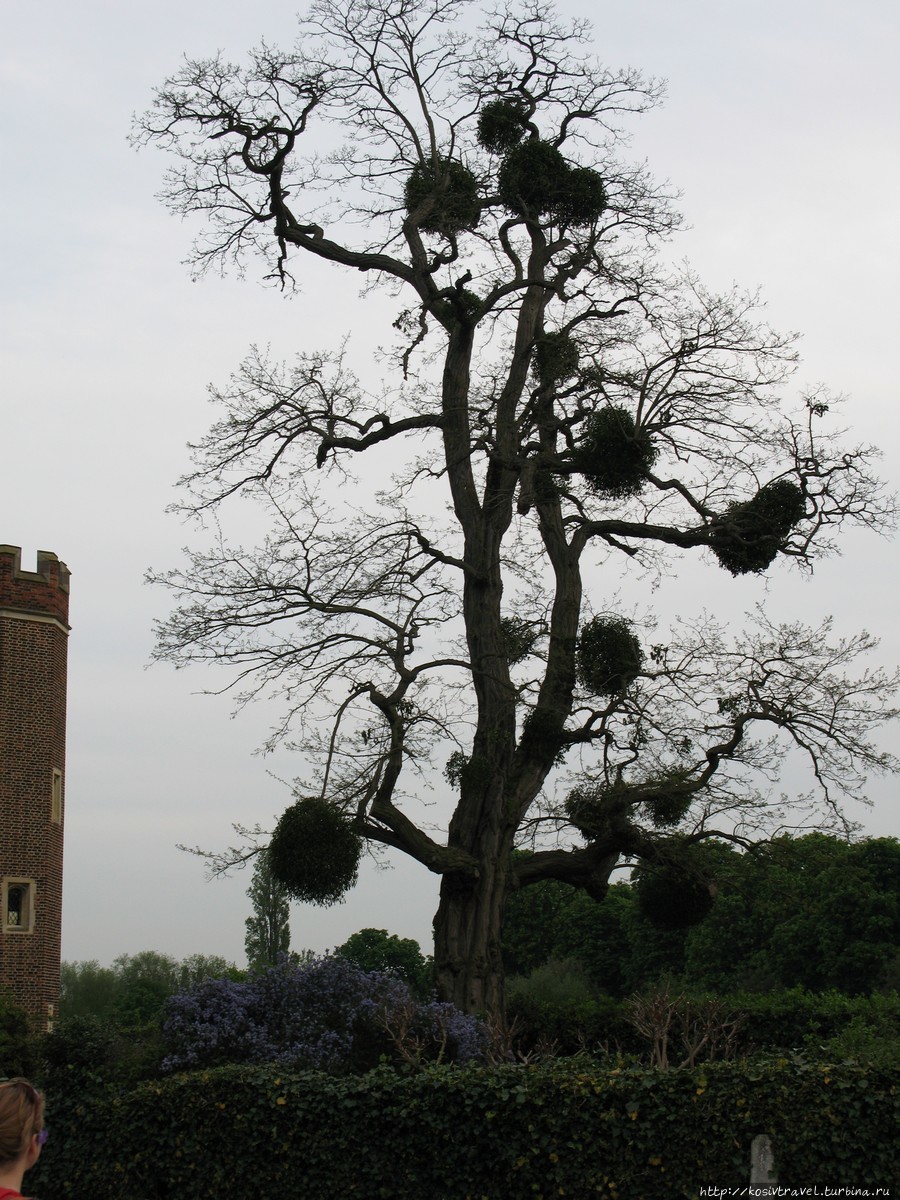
pixel 44 591
pixel 34 611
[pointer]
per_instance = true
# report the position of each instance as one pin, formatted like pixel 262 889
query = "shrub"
pixel 518 638
pixel 557 982
pixel 583 198
pixel 17 1047
pixel 825 1027
pixel 535 180
pixel 872 1039
pixel 326 1014
pixel 572 1129
pixel 529 178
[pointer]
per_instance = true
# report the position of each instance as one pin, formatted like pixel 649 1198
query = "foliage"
pixel 555 358
pixel 314 853
pixel 535 180
pixel 16 1039
pixel 609 655
pixel 86 1052
pixel 518 637
pixel 868 1038
pixel 614 455
pixel 133 990
pixel 675 894
pixel 378 950
pixel 827 1027
pixel 554 921
pixel 325 1014
pixel 87 989
pixel 145 981
pixel 501 124
pixel 268 933
pixel 582 416
pixel 574 1129
pixel 196 967
pixel 752 531
pixel 816 911
pixel 450 193
pixel 556 982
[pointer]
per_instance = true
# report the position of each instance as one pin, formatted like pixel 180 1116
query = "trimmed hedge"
pixel 452 1133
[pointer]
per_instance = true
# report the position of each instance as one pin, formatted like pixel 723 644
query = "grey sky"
pixel 781 128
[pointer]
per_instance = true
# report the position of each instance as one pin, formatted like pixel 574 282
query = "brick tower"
pixel 34 630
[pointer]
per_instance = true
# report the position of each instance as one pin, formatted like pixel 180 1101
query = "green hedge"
pixel 570 1129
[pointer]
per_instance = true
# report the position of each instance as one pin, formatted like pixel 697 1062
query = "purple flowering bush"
pixel 327 1014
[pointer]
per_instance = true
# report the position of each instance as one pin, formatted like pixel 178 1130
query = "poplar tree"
pixel 268 933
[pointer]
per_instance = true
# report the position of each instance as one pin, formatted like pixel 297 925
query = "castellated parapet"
pixel 34 630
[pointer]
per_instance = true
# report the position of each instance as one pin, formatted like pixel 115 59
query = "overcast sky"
pixel 781 129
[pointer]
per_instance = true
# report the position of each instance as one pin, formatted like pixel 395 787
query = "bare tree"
pixel 558 405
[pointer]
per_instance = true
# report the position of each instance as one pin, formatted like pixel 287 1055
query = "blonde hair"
pixel 21 1117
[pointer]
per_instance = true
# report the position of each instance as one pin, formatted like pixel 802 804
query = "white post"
pixel 762 1163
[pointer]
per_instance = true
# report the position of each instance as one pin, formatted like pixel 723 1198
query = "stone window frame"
pixel 27 926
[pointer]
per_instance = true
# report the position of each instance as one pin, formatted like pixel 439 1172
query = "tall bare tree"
pixel 558 405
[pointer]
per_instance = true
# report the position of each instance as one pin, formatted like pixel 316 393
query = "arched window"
pixel 18 905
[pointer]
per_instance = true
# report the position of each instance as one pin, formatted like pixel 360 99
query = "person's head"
pixel 21 1121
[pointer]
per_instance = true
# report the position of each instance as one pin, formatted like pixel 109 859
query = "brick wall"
pixel 34 609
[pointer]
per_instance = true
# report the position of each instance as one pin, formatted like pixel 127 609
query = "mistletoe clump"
pixel 528 179
pixel 452 190
pixel 555 358
pixel 535 180
pixel 517 638
pixel 750 533
pixel 615 455
pixel 667 806
pixel 501 125
pixel 314 852
pixel 609 656
pixel 591 809
pixel 663 798
pixel 582 198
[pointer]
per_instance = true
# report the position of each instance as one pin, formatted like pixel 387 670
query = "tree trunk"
pixel 467 929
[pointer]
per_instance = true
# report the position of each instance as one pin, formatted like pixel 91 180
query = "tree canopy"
pixel 378 950
pixel 133 990
pixel 558 405
pixel 816 912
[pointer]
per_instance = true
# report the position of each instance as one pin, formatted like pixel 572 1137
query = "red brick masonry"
pixel 34 610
